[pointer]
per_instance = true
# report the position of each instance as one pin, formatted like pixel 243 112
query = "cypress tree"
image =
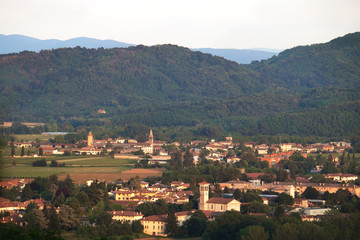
pixel 53 217
pixel 41 152
pixel 22 151
pixel 12 150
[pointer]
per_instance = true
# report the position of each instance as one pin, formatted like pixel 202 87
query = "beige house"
pixel 154 225
pixel 125 195
pixel 341 177
pixel 126 216
pixel 183 216
pixel 301 202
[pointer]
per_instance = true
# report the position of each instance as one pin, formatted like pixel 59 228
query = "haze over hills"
pixel 307 90
pixel 18 43
pixel 241 56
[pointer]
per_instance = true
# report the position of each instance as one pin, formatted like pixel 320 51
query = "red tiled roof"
pixel 220 200
pixel 204 183
pixel 155 218
pixel 253 175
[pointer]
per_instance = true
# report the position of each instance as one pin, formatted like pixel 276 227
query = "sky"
pixel 241 24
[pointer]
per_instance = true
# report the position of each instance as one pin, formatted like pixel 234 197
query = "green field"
pixel 32 137
pixel 77 164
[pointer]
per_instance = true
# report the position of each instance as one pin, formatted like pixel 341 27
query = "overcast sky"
pixel 238 24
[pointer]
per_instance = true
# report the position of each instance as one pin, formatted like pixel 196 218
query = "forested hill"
pixel 303 88
pixel 336 64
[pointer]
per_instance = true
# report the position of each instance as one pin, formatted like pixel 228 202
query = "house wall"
pixel 154 228
pixel 129 219
pixel 233 206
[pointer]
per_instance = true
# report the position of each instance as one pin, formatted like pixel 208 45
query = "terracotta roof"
pixel 204 183
pixel 155 218
pixel 253 175
pixel 184 213
pixel 220 200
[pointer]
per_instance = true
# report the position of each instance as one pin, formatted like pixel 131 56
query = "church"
pixel 215 204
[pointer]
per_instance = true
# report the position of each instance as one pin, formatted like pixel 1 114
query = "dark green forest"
pixel 306 91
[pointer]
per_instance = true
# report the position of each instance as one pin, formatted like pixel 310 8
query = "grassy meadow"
pixel 74 164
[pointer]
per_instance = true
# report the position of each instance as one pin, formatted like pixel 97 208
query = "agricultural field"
pixel 32 137
pixel 80 168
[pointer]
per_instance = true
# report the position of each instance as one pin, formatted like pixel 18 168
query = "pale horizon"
pixel 229 24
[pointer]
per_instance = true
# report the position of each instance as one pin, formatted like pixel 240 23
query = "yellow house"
pixel 154 225
pixel 125 195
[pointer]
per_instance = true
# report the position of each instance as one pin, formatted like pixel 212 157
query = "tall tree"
pixel 311 193
pixel 68 219
pixel 255 233
pixel 35 217
pixel 176 160
pixel 26 193
pixel 171 224
pixel 22 151
pixel 188 158
pixel 293 170
pixel 134 183
pixel 12 149
pixel 196 225
pixel 287 231
pixel 41 152
pixel 54 222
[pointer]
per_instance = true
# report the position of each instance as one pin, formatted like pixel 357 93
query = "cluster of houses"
pixel 156 154
pixel 178 193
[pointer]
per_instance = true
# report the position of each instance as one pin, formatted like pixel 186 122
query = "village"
pixel 259 193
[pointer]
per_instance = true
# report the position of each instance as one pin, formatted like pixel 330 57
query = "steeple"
pixel 90 139
pixel 151 137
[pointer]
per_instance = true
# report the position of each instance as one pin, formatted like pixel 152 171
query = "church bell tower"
pixel 90 139
pixel 204 195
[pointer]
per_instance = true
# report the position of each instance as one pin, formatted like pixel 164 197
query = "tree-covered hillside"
pixel 309 90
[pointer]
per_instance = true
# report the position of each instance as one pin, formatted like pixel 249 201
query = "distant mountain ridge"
pixel 306 90
pixel 18 43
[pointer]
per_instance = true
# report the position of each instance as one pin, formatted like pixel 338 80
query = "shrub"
pixel 39 163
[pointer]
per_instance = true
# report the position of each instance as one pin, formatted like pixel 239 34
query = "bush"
pixel 39 163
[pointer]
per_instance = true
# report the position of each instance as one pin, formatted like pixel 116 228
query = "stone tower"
pixel 151 137
pixel 204 195
pixel 90 139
